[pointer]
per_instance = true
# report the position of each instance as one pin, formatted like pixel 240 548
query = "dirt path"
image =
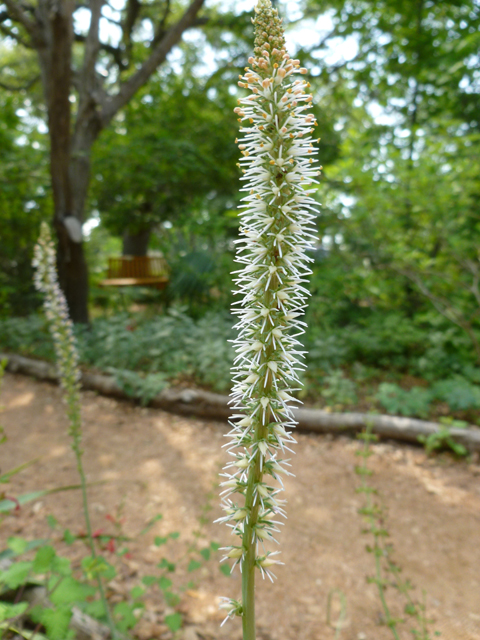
pixel 158 463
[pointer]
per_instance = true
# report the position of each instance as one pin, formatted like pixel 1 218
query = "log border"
pixel 205 404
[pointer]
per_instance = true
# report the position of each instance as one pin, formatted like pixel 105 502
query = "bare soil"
pixel 153 462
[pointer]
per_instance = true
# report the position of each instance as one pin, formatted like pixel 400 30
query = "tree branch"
pixel 24 87
pixel 160 31
pixel 115 52
pixel 17 14
pixel 158 55
pixel 92 41
pixel 89 85
pixel 111 20
pixel 133 9
pixel 166 13
pixel 331 34
pixel 11 34
pixel 443 306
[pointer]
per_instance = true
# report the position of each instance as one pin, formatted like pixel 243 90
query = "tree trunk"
pixel 56 66
pixel 136 244
pixel 76 271
pixel 72 273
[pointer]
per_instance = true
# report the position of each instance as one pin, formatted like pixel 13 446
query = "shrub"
pixel 168 346
pixel 339 390
pixel 414 402
pixel 458 393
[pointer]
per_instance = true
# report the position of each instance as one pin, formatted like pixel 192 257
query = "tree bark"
pixel 55 58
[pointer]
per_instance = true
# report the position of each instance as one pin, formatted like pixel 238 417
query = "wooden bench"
pixel 136 271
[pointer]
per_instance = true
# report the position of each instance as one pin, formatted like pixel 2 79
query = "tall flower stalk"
pixel 61 328
pixel 277 229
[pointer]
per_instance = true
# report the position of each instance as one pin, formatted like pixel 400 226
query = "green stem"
pixel 381 593
pixel 248 565
pixel 75 431
pixel 255 476
pixel 248 587
pixel 373 528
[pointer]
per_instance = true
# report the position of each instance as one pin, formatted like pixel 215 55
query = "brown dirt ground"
pixel 156 462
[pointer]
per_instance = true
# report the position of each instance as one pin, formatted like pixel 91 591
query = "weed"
pixel 340 391
pixel 387 572
pixel 442 439
pixel 415 402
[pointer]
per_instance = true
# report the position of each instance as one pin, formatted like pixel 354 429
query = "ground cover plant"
pixel 147 353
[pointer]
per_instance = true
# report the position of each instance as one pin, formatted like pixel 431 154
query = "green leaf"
pixel 193 565
pixel 215 546
pixel 150 524
pixel 205 553
pixel 158 541
pixel 17 545
pixel 8 611
pixel 149 580
pixel 71 591
pixel 29 635
pixel 5 477
pixel 165 564
pixel 173 622
pixel 164 583
pixel 68 536
pixel 33 544
pixel 137 592
pixel 8 505
pixel 51 521
pixel 225 569
pixel 95 609
pixel 56 622
pixel 61 566
pixel 143 387
pixel 16 574
pixel 94 567
pixel 43 561
pixel 173 599
pixel 125 614
pixel 175 535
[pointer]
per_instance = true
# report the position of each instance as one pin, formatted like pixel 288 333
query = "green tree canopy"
pixel 25 201
pixel 401 219
pixel 169 157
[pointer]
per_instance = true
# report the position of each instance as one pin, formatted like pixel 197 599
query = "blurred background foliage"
pixel 396 282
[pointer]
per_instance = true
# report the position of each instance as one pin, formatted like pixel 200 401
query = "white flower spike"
pixel 56 312
pixel 276 231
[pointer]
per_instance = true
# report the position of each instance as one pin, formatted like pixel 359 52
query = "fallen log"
pixel 205 404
